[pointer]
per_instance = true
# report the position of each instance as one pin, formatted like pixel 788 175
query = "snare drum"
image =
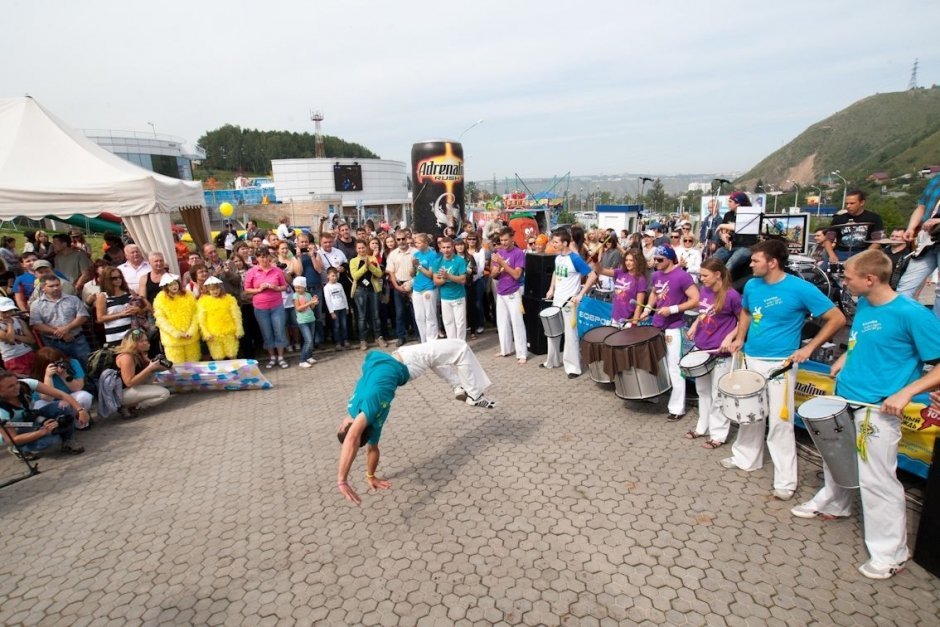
pixel 592 354
pixel 553 322
pixel 635 360
pixel 695 364
pixel 832 427
pixel 798 263
pixel 742 396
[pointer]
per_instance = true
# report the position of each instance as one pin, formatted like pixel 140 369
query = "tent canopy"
pixel 49 168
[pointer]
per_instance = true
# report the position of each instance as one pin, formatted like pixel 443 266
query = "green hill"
pixel 897 133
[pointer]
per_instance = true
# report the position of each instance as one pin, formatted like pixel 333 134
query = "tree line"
pixel 231 147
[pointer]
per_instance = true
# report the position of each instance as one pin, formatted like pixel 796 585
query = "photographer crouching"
pixel 137 371
pixel 49 425
pixel 57 370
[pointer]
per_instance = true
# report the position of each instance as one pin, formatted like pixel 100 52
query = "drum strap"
pixel 861 440
pixel 784 408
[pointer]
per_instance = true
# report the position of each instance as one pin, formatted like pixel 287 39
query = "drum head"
pixel 694 358
pixel 629 337
pixel 598 334
pixel 742 383
pixel 821 407
pixel 548 312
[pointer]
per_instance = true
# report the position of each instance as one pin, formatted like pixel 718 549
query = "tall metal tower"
pixel 913 84
pixel 318 152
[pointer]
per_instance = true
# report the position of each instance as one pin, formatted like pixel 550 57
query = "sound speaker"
pixel 927 549
pixel 535 335
pixel 538 274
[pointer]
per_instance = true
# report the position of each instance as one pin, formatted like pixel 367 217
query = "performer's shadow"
pixel 476 446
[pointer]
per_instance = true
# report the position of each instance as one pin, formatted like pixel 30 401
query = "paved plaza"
pixel 564 505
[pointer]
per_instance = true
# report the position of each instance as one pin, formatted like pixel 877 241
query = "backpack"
pixel 101 360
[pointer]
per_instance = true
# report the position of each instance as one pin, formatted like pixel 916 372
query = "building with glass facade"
pixel 157 152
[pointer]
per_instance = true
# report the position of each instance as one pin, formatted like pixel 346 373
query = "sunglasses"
pixel 687 241
pixel 117 276
pixel 673 237
pixel 136 333
pixel 659 259
pixel 686 228
pixel 401 239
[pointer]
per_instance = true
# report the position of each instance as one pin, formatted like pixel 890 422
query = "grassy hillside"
pixel 897 132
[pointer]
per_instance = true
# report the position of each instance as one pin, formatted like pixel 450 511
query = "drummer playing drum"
pixel 673 293
pixel 775 308
pixel 891 338
pixel 629 286
pixel 714 330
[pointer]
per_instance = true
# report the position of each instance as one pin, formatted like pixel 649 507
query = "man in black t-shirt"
pixel 854 229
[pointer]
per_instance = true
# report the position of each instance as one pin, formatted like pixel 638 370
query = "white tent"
pixel 48 168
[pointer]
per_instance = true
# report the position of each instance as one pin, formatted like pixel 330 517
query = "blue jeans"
pixel 307 331
pixel 734 258
pixel 340 330
pixel 367 310
pixel 918 271
pixel 404 314
pixel 319 329
pixel 273 325
pixel 77 348
pixel 60 435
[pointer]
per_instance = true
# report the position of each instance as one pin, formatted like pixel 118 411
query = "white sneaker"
pixel 305 364
pixel 311 361
pixel 481 402
pixel 460 394
pixel 728 462
pixel 804 510
pixel 783 495
pixel 877 571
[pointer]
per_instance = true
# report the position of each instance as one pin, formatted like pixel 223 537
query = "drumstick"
pixel 634 303
pixel 851 402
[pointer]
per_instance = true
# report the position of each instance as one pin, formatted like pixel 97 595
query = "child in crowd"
pixel 338 307
pixel 15 340
pixel 220 320
pixel 304 305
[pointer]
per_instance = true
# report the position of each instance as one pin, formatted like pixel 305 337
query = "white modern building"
pixel 164 154
pixel 381 189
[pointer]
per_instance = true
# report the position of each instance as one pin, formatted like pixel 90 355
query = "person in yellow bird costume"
pixel 175 311
pixel 220 320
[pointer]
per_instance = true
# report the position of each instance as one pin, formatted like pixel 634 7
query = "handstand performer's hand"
pixel 375 483
pixel 348 492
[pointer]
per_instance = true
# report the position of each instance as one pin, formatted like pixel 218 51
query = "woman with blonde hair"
pixel 137 372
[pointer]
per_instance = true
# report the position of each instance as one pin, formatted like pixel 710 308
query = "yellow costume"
pixel 176 316
pixel 220 322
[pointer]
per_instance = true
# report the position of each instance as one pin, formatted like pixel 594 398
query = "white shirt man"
pixel 566 292
pixel 135 268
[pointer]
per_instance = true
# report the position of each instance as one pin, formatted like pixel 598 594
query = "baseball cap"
pixel 7 304
pixel 299 280
pixel 41 263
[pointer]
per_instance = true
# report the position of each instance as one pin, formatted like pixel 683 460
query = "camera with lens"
pixel 163 361
pixel 63 421
pixel 63 365
pixel 282 266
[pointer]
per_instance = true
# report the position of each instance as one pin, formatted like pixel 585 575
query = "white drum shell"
pixel 553 323
pixel 834 437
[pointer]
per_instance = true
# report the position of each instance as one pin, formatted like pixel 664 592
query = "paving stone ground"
pixel 564 505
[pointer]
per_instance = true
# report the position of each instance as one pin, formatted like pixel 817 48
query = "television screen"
pixel 347 178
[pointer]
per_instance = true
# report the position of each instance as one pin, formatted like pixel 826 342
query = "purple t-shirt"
pixel 714 326
pixel 670 288
pixel 626 288
pixel 505 284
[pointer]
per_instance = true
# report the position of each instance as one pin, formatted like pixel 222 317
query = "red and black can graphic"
pixel 437 185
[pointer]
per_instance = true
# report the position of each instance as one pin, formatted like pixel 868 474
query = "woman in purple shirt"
pixel 629 285
pixel 713 330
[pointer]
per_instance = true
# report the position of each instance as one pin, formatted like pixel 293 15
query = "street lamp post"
pixel 153 128
pixel 641 184
pixel 845 186
pixel 477 123
pixel 775 194
pixel 797 186
pixel 819 198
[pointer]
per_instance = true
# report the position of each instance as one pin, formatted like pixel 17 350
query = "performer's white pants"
pixel 425 306
pixel 571 358
pixel 884 511
pixel 454 313
pixel 748 448
pixel 510 326
pixel 450 359
pixel 711 420
pixel 673 355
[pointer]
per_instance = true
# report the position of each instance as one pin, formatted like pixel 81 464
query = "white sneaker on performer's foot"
pixel 460 394
pixel 311 361
pixel 782 495
pixel 728 462
pixel 873 570
pixel 805 510
pixel 481 402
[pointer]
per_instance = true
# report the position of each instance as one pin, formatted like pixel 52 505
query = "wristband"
pixel 368 476
pixel 341 483
pixel 674 309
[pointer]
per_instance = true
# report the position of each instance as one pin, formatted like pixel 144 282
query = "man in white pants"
pixel 899 335
pixel 427 262
pixel 775 305
pixel 673 293
pixel 451 280
pixel 382 375
pixel 566 292
pixel 506 268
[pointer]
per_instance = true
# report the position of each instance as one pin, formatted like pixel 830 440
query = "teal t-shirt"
pixel 888 345
pixel 458 267
pixel 430 260
pixel 382 375
pixel 778 312
pixel 307 315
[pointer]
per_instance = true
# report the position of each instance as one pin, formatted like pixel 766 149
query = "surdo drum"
pixel 635 360
pixel 592 352
pixel 832 427
pixel 553 323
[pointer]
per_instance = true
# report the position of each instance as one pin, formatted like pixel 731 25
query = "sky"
pixel 589 88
